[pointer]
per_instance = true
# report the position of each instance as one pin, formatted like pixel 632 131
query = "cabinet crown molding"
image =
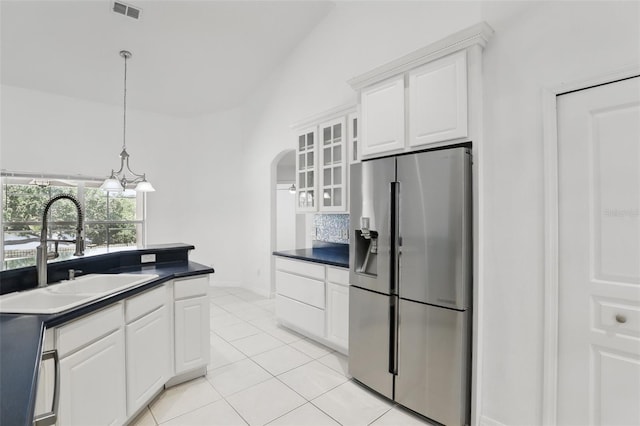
pixel 323 116
pixel 478 34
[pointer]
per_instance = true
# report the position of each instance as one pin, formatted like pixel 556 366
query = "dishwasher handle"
pixel 50 418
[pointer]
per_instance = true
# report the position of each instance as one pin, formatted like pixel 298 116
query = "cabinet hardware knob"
pixel 621 318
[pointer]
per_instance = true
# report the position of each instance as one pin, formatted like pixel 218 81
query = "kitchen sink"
pixel 99 283
pixel 68 294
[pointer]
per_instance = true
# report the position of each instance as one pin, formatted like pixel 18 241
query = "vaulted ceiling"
pixel 189 57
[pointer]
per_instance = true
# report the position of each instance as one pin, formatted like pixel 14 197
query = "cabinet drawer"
pixel 144 303
pixel 338 275
pixel 307 269
pixel 300 288
pixel 191 287
pixel 88 329
pixel 300 315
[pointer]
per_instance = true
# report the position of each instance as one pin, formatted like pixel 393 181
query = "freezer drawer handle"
pixel 393 331
pixel 50 418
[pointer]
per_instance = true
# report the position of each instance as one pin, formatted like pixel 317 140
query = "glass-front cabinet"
pixel 333 167
pixel 305 171
pixel 323 156
pixel 352 140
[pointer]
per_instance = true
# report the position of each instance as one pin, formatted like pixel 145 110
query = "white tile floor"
pixel 261 373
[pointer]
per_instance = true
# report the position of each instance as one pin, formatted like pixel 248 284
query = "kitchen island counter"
pixel 21 335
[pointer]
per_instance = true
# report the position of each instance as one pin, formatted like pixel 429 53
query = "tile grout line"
pixel 269 318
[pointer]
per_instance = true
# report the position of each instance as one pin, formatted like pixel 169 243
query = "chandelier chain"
pixel 124 127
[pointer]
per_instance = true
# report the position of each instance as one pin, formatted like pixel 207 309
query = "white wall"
pixel 197 198
pixel 193 164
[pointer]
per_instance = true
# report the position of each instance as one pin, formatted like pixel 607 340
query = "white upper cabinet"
pixel 306 170
pixel 383 117
pixel 353 146
pixel 333 165
pixel 428 98
pixel 322 160
pixel 438 100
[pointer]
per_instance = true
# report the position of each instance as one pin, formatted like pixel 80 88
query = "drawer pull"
pixel 621 319
pixel 50 418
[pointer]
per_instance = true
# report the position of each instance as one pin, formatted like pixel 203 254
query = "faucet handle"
pixel 73 273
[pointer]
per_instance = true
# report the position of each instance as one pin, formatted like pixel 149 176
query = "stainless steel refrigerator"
pixel 410 275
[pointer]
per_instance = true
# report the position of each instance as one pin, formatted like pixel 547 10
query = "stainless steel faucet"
pixel 41 251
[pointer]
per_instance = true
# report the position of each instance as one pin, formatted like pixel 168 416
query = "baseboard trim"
pixel 488 421
pixel 215 283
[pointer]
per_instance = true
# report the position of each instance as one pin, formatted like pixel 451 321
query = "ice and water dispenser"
pixel 366 248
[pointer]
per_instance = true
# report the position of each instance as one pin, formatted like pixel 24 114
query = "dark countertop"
pixel 331 254
pixel 21 335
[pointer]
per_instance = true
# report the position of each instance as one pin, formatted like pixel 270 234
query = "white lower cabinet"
pixel 191 324
pixel 338 314
pixel 112 362
pixel 148 343
pixel 92 370
pixel 300 315
pixel 313 299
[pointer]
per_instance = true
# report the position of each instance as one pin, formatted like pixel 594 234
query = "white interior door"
pixel 599 255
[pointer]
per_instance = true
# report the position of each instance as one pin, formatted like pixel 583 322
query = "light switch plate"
pixel 147 258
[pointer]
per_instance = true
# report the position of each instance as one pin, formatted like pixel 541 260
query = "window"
pixel 112 221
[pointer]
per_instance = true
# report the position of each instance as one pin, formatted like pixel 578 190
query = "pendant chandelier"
pixel 118 181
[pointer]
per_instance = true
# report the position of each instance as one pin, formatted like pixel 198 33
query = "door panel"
pixel 148 357
pixel 433 364
pixel 438 100
pixel 599 248
pixel 92 391
pixel 370 266
pixel 435 227
pixel 616 373
pixel 191 333
pixel 382 107
pixel 369 340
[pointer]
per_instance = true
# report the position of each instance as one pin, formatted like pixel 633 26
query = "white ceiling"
pixel 189 57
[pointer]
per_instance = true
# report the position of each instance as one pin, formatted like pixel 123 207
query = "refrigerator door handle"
pixel 393 335
pixel 395 235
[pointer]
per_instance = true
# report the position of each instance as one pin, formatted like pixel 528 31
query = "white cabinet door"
pixel 333 166
pixel 92 384
pixel 148 357
pixel 352 138
pixel 306 181
pixel 383 117
pixel 438 100
pixel 338 314
pixel 191 333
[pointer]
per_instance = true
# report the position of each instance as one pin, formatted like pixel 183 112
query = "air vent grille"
pixel 126 10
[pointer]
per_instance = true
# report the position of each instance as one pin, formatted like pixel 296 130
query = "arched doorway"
pixel 284 222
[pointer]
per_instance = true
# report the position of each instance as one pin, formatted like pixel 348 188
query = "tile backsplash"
pixel 331 228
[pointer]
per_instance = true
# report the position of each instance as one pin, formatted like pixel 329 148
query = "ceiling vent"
pixel 126 10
